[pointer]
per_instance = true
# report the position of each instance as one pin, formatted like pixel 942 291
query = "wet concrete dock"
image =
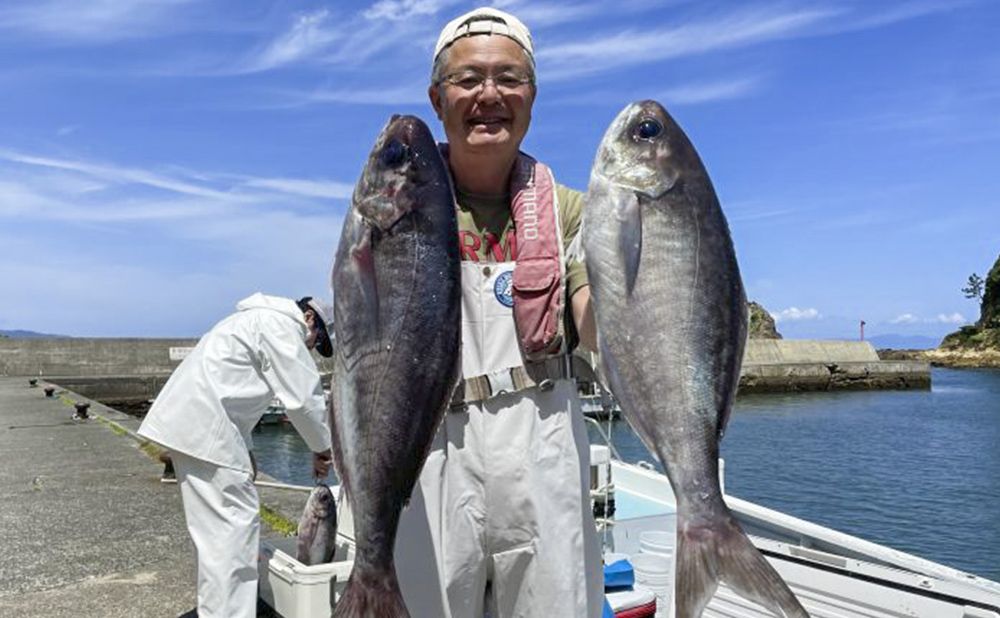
pixel 87 527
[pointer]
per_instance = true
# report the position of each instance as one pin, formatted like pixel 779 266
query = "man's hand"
pixel 321 464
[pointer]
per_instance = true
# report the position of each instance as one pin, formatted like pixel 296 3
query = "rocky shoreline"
pixel 939 357
pixel 974 345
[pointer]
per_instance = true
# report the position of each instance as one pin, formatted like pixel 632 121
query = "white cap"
pixel 485 20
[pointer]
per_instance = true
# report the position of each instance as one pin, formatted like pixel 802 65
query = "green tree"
pixel 974 289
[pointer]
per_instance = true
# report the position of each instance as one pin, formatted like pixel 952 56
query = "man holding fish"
pixel 501 508
pixel 502 503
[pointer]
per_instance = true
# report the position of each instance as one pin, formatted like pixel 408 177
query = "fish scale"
pixel 671 319
pixel 396 281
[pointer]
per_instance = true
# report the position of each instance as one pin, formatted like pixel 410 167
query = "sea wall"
pixel 794 351
pixel 123 370
pixel 91 357
pixel 790 365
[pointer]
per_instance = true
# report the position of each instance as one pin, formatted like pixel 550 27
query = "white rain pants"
pixel 504 499
pixel 222 511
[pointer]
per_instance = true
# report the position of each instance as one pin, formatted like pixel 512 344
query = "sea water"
pixel 915 470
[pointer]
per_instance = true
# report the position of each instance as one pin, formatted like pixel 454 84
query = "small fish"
pixel 317 533
pixel 397 293
pixel 672 323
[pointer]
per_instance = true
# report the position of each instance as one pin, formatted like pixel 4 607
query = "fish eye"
pixel 393 154
pixel 648 129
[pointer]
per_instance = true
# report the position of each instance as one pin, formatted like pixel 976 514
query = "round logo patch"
pixel 503 288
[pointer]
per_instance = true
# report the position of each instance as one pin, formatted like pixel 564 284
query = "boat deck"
pixel 834 575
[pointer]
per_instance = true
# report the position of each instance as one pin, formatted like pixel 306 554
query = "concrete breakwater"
pixel 789 365
pixel 126 370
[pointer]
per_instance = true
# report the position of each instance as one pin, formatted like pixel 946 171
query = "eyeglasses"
pixel 507 82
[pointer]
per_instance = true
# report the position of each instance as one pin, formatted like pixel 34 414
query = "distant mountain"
pixel 904 342
pixel 29 334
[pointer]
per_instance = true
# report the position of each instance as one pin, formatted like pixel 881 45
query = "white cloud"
pixel 905 11
pixel 274 252
pixel 76 190
pixel 327 40
pixel 631 47
pixel 89 20
pixel 185 244
pixel 906 318
pixel 753 26
pixel 405 9
pixel 953 318
pixel 539 15
pixel 414 94
pixel 704 92
pixel 310 34
pixel 794 313
pixel 306 188
pixel 116 174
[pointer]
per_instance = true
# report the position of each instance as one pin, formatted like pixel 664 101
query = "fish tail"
pixel 371 594
pixel 720 551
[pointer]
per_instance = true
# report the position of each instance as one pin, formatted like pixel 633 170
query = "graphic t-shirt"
pixel 486 230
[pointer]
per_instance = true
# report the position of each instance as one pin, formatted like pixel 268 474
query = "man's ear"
pixel 434 93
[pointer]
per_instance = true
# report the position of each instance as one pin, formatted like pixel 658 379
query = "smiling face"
pixel 484 118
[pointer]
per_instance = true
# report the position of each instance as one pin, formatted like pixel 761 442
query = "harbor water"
pixel 918 471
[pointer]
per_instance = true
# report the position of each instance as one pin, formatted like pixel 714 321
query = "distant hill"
pixel 29 334
pixel 904 342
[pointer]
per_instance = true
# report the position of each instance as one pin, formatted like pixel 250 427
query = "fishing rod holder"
pixel 33 382
pixel 50 391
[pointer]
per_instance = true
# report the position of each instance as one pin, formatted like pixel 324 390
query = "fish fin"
pixel 630 237
pixel 371 595
pixel 355 289
pixel 722 552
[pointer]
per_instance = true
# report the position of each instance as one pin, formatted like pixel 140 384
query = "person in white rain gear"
pixel 502 508
pixel 204 416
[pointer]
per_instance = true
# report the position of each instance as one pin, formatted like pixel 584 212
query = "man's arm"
pixel 291 373
pixel 583 317
pixel 570 212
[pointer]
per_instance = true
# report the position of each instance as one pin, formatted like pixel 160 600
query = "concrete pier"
pixel 132 370
pixel 88 529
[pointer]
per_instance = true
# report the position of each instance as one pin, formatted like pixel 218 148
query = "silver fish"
pixel 317 532
pixel 396 282
pixel 672 323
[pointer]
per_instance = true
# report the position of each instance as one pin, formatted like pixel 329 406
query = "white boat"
pixel 834 575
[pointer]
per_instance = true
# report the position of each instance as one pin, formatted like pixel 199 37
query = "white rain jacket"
pixel 214 399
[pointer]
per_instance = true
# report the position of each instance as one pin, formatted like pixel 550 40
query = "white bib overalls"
pixel 503 500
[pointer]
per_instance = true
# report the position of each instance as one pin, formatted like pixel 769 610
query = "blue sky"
pixel 161 159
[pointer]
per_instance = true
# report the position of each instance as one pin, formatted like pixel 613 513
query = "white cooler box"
pixel 295 590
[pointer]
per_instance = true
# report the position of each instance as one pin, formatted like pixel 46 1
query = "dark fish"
pixel 397 289
pixel 317 534
pixel 672 323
